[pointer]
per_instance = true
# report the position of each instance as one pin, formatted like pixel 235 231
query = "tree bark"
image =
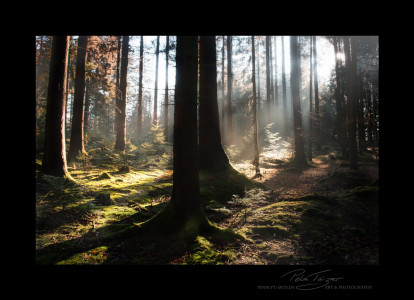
pixel 350 64
pixel 157 54
pixel 285 123
pixel 54 158
pixel 229 133
pixel 141 62
pixel 120 141
pixel 268 88
pixel 317 125
pixel 167 48
pixel 299 158
pixel 256 162
pixel 76 146
pixel 310 99
pixel 223 99
pixel 212 155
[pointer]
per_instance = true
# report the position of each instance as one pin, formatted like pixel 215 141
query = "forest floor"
pixel 325 213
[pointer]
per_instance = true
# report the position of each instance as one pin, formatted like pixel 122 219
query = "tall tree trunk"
pixel 276 82
pixel 317 131
pixel 340 99
pixel 350 63
pixel 223 99
pixel 259 98
pixel 117 93
pixel 285 123
pixel 299 158
pixel 120 141
pixel 268 89
pixel 87 106
pixel 157 54
pixel 167 48
pixel 255 142
pixel 54 158
pixel 229 132
pixel 141 62
pixel 310 99
pixel 362 145
pixel 272 87
pixel 212 155
pixel 76 137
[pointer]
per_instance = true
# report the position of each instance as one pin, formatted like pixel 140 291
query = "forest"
pixel 206 150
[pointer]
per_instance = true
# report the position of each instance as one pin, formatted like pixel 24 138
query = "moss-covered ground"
pixel 322 214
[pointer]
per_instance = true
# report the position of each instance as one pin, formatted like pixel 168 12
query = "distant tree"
pixel 299 157
pixel 285 120
pixel 54 158
pixel 120 141
pixel 157 54
pixel 255 141
pixel 275 79
pixel 310 99
pixel 350 49
pixel 229 110
pixel 316 82
pixel 141 67
pixel 167 48
pixel 268 80
pixel 76 138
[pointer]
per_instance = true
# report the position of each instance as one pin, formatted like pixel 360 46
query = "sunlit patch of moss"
pixel 94 256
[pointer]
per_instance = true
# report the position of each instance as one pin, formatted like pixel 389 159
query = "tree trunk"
pixel 120 141
pixel 87 106
pixel 362 145
pixel 223 99
pixel 76 137
pixel 350 64
pixel 299 158
pixel 141 62
pixel 117 94
pixel 317 131
pixel 285 123
pixel 229 133
pixel 255 142
pixel 212 155
pixel 340 99
pixel 157 54
pixel 310 99
pixel 54 158
pixel 167 48
pixel 268 89
pixel 276 83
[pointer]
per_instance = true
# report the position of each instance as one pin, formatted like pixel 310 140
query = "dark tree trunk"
pixel 87 106
pixel 340 99
pixel 157 54
pixel 167 48
pixel 268 88
pixel 54 159
pixel 276 83
pixel 186 191
pixel 299 158
pixel 229 132
pixel 285 123
pixel 212 155
pixel 76 137
pixel 223 99
pixel 310 100
pixel 141 62
pixel 120 141
pixel 350 63
pixel 117 94
pixel 362 145
pixel 256 162
pixel 317 131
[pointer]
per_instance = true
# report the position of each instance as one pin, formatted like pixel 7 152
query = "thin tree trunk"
pixel 350 55
pixel 255 142
pixel 268 89
pixel 259 98
pixel 120 141
pixel 310 99
pixel 167 47
pixel 317 125
pixel 285 123
pixel 223 99
pixel 141 62
pixel 54 159
pixel 157 54
pixel 362 145
pixel 117 94
pixel 276 83
pixel 299 158
pixel 76 137
pixel 87 106
pixel 229 133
